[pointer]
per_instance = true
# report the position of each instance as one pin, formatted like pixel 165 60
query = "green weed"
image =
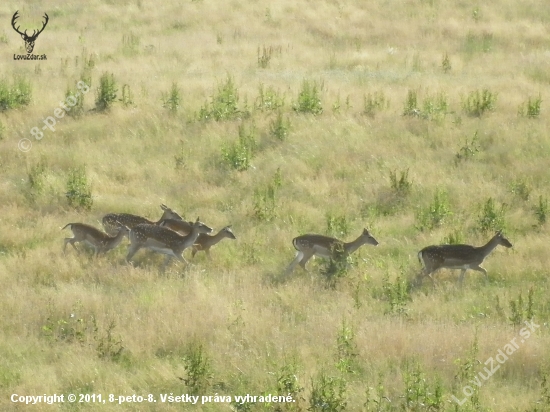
pixel 239 154
pixel 400 185
pixel 491 218
pixel 198 369
pixel 411 104
pixel 268 99
pixel 446 63
pixel 328 394
pixel 374 103
pixel 541 210
pixel 79 191
pixel 224 104
pixel 172 99
pixel 308 100
pixel 347 355
pixel 279 127
pixel 478 102
pixel 16 95
pixel 468 150
pixel 397 294
pixel 531 108
pixel 106 92
pixel 436 213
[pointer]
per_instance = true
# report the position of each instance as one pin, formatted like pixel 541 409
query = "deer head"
pixel 29 40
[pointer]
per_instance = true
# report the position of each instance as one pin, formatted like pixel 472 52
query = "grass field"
pixel 424 121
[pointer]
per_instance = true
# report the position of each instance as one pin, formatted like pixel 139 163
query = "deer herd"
pixel 171 235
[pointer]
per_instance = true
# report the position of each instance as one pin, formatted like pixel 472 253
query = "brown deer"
pixel 113 221
pixel 461 257
pixel 163 240
pixel 205 242
pixel 327 247
pixel 101 242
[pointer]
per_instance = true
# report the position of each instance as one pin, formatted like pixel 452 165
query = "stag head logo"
pixel 29 40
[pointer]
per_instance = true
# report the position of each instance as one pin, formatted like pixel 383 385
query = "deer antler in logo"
pixel 29 40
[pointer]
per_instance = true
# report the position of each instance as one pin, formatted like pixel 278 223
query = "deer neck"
pixel 114 241
pixel 212 240
pixel 488 248
pixel 352 246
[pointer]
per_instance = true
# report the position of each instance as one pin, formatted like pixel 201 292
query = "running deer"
pixel 205 242
pixel 327 247
pixel 101 242
pixel 113 221
pixel 163 240
pixel 461 257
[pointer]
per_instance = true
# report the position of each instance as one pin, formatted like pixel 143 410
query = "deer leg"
pixel 72 241
pixel 299 256
pixel 132 249
pixel 480 269
pixel 194 252
pixel 166 261
pixel 207 251
pixel 306 256
pixel 461 278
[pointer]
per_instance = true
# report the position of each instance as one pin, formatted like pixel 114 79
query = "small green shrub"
pixel 541 210
pixel 279 127
pixel 436 213
pixel 78 108
pixel 36 176
pixel 446 64
pixel 346 350
pixel 491 218
pixel 108 347
pixel 454 238
pixel 397 294
pixel 265 54
pixel 79 191
pixel 265 202
pixel 337 225
pixel 239 154
pixel 198 369
pixel 478 102
pixel 520 311
pixel 467 372
pixel 411 104
pixel 268 99
pixel 106 92
pixel 521 189
pixel 531 108
pixel 402 185
pixel 328 394
pixel 419 394
pixel 308 99
pixel 468 150
pixel 287 384
pixel 126 99
pixel 374 103
pixel 435 107
pixel 172 99
pixel 224 104
pixel 16 95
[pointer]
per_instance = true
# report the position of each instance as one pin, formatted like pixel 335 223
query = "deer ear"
pixel 197 219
